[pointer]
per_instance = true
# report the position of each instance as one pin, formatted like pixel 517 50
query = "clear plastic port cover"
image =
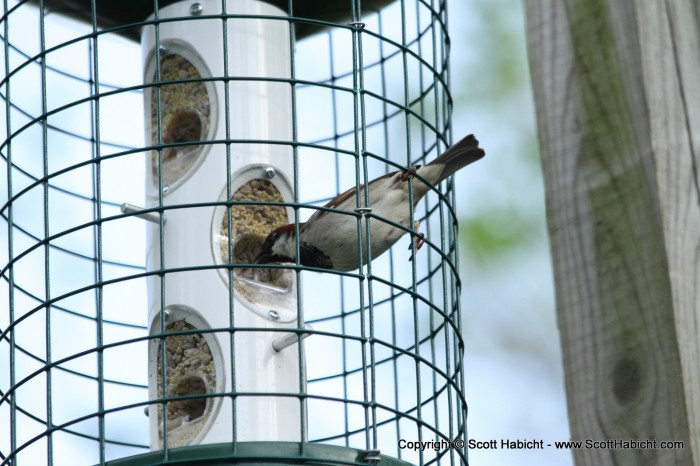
pixel 194 366
pixel 269 292
pixel 180 113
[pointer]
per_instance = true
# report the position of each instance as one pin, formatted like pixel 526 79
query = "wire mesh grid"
pixel 382 365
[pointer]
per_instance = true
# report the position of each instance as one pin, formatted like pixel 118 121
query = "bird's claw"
pixel 409 173
pixel 417 242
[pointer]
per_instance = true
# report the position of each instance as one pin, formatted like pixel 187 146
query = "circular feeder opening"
pixel 250 226
pixel 190 409
pixel 185 114
pixel 269 292
pixel 190 370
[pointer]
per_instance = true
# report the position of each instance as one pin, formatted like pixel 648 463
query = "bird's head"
pixel 279 246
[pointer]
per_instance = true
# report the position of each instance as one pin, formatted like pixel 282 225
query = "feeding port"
pixel 262 289
pixel 193 363
pixel 180 110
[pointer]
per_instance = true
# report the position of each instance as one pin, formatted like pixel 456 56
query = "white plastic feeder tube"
pixel 196 173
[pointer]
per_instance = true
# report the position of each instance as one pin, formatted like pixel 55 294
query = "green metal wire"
pixel 416 321
pixel 10 252
pixel 438 278
pixel 361 180
pixel 392 277
pixel 161 240
pixel 338 188
pixel 428 228
pixel 303 406
pixel 229 229
pixel 47 261
pixel 99 277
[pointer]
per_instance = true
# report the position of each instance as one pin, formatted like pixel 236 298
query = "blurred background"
pixel 515 379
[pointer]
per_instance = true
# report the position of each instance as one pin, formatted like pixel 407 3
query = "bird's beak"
pixel 263 257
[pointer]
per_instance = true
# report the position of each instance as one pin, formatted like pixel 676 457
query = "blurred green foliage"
pixel 491 85
pixel 494 36
pixel 513 368
pixel 493 234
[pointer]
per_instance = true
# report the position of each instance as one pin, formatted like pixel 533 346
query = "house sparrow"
pixel 328 240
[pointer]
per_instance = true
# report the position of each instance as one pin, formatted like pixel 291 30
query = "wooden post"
pixel 617 92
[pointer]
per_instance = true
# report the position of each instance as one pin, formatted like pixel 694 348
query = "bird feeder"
pixel 186 112
pixel 238 133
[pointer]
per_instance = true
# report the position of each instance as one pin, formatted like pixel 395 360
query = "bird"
pixel 328 240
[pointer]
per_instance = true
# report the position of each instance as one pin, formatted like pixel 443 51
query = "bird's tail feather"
pixel 459 155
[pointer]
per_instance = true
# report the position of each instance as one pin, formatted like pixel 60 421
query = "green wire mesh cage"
pixel 148 148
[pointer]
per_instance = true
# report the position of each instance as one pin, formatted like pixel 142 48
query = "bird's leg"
pixel 418 241
pixel 409 173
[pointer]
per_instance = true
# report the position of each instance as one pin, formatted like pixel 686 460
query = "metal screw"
pixel 357 24
pixel 196 9
pixel 166 189
pixel 163 50
pixel 363 210
pixel 270 172
pixel 166 314
pixel 273 315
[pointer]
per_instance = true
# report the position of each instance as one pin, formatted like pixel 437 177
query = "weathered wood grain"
pixel 617 93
